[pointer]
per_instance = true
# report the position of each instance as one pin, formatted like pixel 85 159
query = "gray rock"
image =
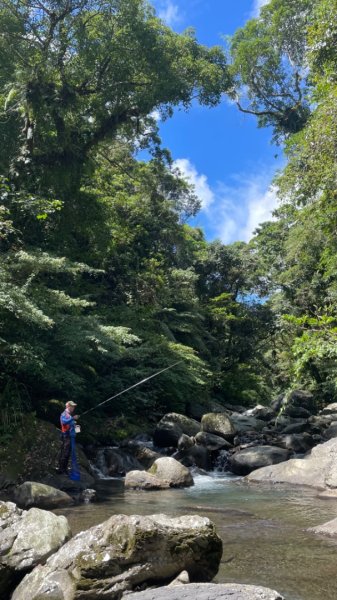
pixel 264 413
pixel 328 495
pixel 218 424
pixel 125 552
pixel 331 431
pixel 249 459
pixel 299 427
pixel 27 539
pixel 296 412
pixel 182 579
pixel 196 456
pixel 297 442
pixel 329 528
pixel 212 442
pixel 244 423
pixel 329 409
pixel 283 421
pixel 40 495
pixel 317 470
pixel 185 441
pixel 142 453
pixel 116 461
pixel 144 481
pixel 171 427
pixel 302 398
pixel 169 469
pixel 210 591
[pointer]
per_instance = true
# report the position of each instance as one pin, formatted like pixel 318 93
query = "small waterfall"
pixel 221 462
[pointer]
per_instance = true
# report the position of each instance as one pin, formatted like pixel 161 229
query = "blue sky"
pixel 221 151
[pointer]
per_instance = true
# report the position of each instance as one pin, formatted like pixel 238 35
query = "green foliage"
pixel 102 281
pixel 268 66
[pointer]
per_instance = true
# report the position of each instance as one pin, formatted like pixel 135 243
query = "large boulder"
pixel 116 461
pixel 247 460
pixel 123 553
pixel 212 442
pixel 218 424
pixel 263 413
pixel 32 493
pixel 244 423
pixel 141 480
pixel 207 591
pixel 169 469
pixel 27 539
pixel 317 470
pixel 301 398
pixel 300 443
pixel 195 456
pixel 144 455
pixel 171 427
pixel 296 412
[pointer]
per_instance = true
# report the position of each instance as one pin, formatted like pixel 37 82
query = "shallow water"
pixel 263 529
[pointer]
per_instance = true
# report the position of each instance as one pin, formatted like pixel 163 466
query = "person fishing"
pixel 68 432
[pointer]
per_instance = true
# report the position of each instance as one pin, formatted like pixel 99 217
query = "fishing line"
pixel 132 387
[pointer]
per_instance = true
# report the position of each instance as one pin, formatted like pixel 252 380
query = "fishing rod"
pixel 132 387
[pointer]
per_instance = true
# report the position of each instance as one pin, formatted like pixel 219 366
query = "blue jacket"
pixel 67 423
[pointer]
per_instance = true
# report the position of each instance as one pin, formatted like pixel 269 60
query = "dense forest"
pixel 103 281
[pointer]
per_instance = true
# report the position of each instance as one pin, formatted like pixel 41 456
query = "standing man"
pixel 67 421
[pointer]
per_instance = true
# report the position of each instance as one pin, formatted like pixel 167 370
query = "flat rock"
pixel 142 480
pixel 329 528
pixel 32 493
pixel 209 591
pixel 317 470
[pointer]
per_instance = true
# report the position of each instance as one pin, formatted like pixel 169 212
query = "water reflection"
pixel 263 529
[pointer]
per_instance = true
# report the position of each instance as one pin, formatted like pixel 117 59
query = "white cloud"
pixel 199 181
pixel 232 211
pixel 241 207
pixel 168 11
pixel 257 7
pixel 260 206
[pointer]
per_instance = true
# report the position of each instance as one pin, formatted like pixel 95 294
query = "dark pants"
pixel 64 453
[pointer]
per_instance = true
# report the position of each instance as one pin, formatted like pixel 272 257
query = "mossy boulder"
pixel 171 427
pixel 126 552
pixel 218 424
pixel 32 493
pixel 169 469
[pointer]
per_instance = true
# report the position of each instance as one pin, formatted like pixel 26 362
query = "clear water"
pixel 263 529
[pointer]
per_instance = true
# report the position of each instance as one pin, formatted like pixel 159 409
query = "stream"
pixel 263 529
